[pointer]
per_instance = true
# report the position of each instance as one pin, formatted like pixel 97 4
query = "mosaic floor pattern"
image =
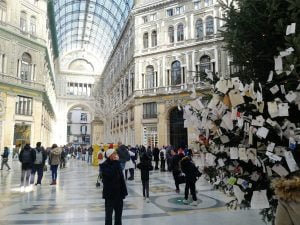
pixel 76 200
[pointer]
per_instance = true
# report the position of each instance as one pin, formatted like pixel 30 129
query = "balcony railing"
pixel 23 83
pixel 150 116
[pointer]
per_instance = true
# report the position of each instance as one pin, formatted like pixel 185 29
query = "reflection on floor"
pixel 76 200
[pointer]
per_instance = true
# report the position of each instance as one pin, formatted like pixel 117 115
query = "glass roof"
pixel 90 25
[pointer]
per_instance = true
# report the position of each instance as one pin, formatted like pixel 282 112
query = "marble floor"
pixel 76 200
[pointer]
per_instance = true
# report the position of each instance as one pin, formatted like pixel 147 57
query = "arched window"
pixel 199 29
pixel 175 73
pixel 23 21
pixel 149 77
pixel 205 63
pixel 3 10
pixel 33 25
pixel 146 40
pixel 26 63
pixel 171 34
pixel 209 25
pixel 180 32
pixel 154 38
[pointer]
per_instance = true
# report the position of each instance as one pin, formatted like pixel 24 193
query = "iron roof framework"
pixel 90 25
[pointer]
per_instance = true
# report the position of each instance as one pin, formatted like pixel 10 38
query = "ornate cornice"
pixel 155 6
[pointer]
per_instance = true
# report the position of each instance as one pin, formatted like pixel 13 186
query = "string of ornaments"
pixel 250 133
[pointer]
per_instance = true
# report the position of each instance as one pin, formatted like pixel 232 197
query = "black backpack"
pixel 26 156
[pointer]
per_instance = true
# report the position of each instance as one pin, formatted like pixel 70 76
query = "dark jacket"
pixel 189 169
pixel 27 165
pixel 123 153
pixel 175 163
pixel 113 180
pixel 156 154
pixel 145 166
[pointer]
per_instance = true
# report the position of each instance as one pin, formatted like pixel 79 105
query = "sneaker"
pixel 8 169
pixel 185 201
pixel 147 200
pixel 194 203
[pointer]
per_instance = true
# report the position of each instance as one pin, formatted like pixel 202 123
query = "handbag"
pixel 181 179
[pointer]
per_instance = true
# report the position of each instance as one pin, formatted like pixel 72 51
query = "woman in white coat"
pixel 130 166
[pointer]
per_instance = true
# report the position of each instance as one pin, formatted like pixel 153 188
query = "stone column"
pixel 97 134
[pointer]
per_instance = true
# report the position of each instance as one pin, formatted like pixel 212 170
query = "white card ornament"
pixel 291 161
pixel 213 102
pixel 221 162
pixel 270 147
pixel 283 109
pixel 291 96
pixel 274 89
pixel 234 153
pixel 291 29
pixel 224 139
pixel 280 170
pixel 270 78
pixel 259 200
pixel 278 64
pixel 243 154
pixel 269 171
pixel 262 132
pixel 236 98
pixel 273 109
pixel 273 156
pixel 227 122
pixel 238 194
pixel 259 121
pixel 282 88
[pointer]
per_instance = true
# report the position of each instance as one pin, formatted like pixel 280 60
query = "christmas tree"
pixel 250 129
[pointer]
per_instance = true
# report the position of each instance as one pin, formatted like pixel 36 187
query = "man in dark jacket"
pixel 39 163
pixel 156 156
pixel 123 154
pixel 114 187
pixel 191 175
pixel 27 158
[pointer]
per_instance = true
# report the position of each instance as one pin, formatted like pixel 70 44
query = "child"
pixel 191 174
pixel 145 166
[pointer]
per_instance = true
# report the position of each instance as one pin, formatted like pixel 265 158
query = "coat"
pixel 145 166
pixel 288 193
pixel 113 180
pixel 54 157
pixel 189 169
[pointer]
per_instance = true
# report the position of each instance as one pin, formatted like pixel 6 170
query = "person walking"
pixel 156 156
pixel 5 158
pixel 114 187
pixel 191 175
pixel 39 163
pixel 145 166
pixel 27 158
pixel 162 155
pixel 123 154
pixel 175 168
pixel 54 161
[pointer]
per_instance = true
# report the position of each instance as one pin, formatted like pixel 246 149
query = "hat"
pixel 109 152
pixel 111 146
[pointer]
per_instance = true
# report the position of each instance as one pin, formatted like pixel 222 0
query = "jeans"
pixel 156 164
pixel 53 169
pixel 190 185
pixel 111 205
pixel 25 175
pixel 4 162
pixel 175 175
pixel 145 188
pixel 162 164
pixel 39 168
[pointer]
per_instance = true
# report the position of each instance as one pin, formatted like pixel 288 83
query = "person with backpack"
pixel 5 158
pixel 27 158
pixel 162 156
pixel 54 161
pixel 38 165
pixel 145 166
pixel 191 175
